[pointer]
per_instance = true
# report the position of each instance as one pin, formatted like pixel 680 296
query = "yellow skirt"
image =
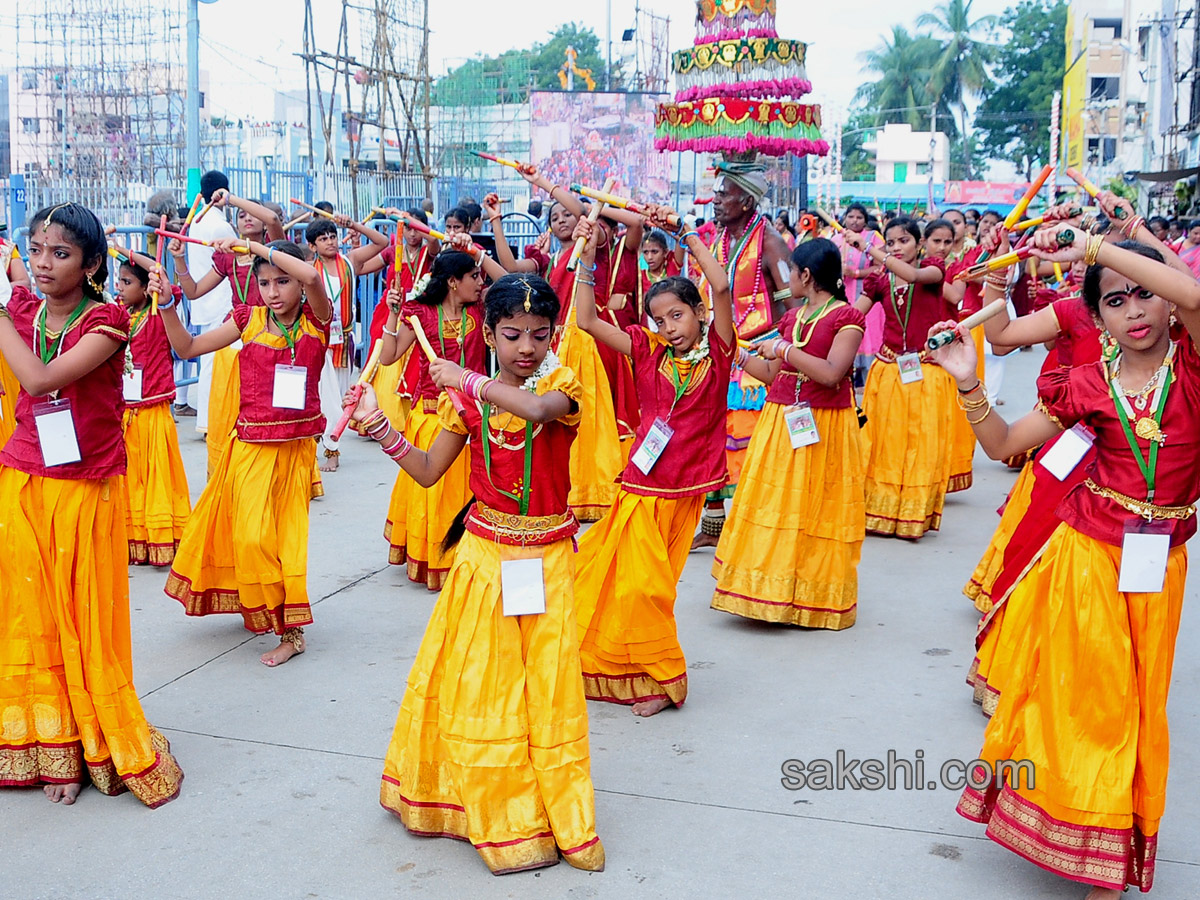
pixel 789 552
pixel 628 571
pixel 67 700
pixel 906 449
pixel 491 744
pixel 739 429
pixel 1087 706
pixel 223 403
pixel 962 449
pixel 245 547
pixel 596 452
pixel 979 588
pixel 386 382
pixel 419 517
pixel 156 485
pixel 8 402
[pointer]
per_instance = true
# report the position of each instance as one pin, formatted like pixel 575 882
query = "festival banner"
pixel 584 137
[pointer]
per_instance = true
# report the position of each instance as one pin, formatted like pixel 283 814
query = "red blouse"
pixel 151 350
pixel 563 282
pixel 694 459
pixel 820 336
pixel 259 421
pixel 973 298
pixel 549 517
pixel 96 404
pixel 241 278
pixel 928 308
pixel 448 346
pixel 1081 394
pixel 1078 341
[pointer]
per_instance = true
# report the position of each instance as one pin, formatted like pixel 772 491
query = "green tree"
pixel 509 77
pixel 1014 118
pixel 961 69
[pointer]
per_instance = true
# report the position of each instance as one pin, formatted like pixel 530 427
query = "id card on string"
pixel 131 385
pixel 1144 553
pixel 291 387
pixel 801 426
pixel 335 333
pixel 56 432
pixel 522 587
pixel 1069 449
pixel 653 445
pixel 910 368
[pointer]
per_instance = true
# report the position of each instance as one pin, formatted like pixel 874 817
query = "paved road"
pixel 281 796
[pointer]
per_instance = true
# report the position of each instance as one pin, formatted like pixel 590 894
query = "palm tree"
pixel 904 63
pixel 961 69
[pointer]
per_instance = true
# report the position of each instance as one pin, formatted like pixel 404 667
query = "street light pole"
pixel 192 124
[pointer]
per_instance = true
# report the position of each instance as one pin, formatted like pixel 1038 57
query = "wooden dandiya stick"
pixel 942 338
pixel 511 163
pixel 1041 220
pixel 356 392
pixel 312 209
pixel 187 222
pixel 117 255
pixel 619 202
pixel 833 223
pixel 188 239
pixel 1066 238
pixel 1076 176
pixel 1023 204
pixel 455 395
pixel 417 225
pixel 292 223
pixel 592 216
pixel 158 257
pixel 207 206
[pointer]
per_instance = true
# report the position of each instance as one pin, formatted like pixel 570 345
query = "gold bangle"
pixel 971 421
pixel 971 405
pixel 1092 250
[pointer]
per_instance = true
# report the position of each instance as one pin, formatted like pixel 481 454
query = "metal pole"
pixel 608 41
pixel 193 99
pixel 932 153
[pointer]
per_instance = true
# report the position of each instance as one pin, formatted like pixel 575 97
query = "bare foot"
pixel 704 540
pixel 291 643
pixel 647 708
pixel 62 793
pixel 330 464
pixel 1102 894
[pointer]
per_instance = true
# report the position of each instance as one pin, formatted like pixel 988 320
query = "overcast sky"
pixel 248 46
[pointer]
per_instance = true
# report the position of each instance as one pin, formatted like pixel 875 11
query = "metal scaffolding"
pixel 98 94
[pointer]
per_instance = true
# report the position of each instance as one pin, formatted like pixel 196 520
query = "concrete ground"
pixel 283 766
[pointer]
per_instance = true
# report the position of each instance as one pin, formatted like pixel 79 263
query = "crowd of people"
pixel 776 397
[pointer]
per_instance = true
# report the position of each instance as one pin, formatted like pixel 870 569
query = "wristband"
pixel 780 347
pixel 389 333
pixel 742 357
pixel 687 234
pixel 399 448
pixel 971 389
pixel 376 424
pixel 579 279
pixel 586 267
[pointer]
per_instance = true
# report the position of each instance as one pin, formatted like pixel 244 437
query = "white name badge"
pixel 652 447
pixel 335 334
pixel 56 432
pixel 522 587
pixel 1144 556
pixel 1069 448
pixel 910 368
pixel 131 385
pixel 801 426
pixel 291 387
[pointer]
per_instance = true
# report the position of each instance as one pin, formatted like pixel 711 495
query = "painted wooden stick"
pixel 1023 204
pixel 942 338
pixel 188 239
pixel 158 257
pixel 418 225
pixel 312 209
pixel 187 223
pixel 356 392
pixel 619 202
pixel 833 223
pixel 456 396
pixel 592 216
pixel 1066 238
pixel 511 163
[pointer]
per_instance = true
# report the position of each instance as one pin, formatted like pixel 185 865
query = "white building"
pixel 902 156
